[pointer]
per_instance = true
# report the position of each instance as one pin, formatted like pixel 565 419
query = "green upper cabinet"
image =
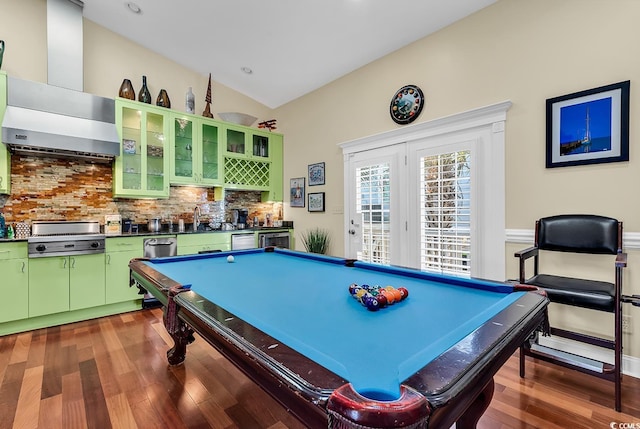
pixel 276 178
pixel 253 161
pixel 5 157
pixel 142 169
pixel 195 151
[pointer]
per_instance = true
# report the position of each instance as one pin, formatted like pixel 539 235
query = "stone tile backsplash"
pixel 69 189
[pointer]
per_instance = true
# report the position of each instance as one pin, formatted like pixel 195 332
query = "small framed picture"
pixel 129 146
pixel 588 127
pixel 296 187
pixel 316 202
pixel 316 174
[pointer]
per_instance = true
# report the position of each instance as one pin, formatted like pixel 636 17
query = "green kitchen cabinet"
pixel 119 251
pixel 253 161
pixel 5 156
pixel 14 287
pixel 63 283
pixel 276 183
pixel 195 152
pixel 142 169
pixel 189 244
pixel 48 285
pixel 86 281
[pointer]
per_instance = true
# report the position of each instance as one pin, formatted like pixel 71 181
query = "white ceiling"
pixel 292 46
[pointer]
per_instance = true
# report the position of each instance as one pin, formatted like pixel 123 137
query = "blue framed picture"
pixel 316 202
pixel 589 127
pixel 316 174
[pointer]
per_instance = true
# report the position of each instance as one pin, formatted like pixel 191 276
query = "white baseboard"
pixel 630 364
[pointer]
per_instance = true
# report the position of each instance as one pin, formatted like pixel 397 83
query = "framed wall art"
pixel 316 202
pixel 296 192
pixel 316 174
pixel 588 127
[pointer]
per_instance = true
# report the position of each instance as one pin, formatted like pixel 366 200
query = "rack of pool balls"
pixel 377 297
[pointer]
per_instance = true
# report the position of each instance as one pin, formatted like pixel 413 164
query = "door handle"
pixel 352 231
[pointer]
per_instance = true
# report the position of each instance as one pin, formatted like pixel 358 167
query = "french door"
pixel 374 218
pixel 417 215
pixel 431 195
pixel 442 200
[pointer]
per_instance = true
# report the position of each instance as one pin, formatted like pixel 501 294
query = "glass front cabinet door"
pixel 142 169
pixel 194 151
pixel 247 142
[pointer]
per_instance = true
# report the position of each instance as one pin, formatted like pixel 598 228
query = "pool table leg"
pixel 472 415
pixel 181 333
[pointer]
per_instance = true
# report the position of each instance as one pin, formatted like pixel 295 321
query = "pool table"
pixel 288 321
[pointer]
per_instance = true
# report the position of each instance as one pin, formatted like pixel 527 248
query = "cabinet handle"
pixel 24 265
pixel 64 263
pixel 5 251
pixel 73 262
pixel 125 244
pixel 108 259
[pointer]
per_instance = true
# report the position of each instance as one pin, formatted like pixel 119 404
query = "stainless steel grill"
pixel 65 238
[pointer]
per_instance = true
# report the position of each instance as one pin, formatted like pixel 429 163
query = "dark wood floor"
pixel 112 372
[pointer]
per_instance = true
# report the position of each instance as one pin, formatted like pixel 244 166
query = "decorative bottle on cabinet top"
pixel 126 90
pixel 145 95
pixel 163 99
pixel 190 102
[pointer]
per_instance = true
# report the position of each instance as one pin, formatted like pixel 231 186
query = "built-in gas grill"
pixel 65 238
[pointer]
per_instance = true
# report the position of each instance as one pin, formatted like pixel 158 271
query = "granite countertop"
pixel 204 231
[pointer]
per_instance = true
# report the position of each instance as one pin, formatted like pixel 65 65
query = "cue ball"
pixel 230 258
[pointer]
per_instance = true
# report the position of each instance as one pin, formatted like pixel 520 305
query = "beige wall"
pixel 518 50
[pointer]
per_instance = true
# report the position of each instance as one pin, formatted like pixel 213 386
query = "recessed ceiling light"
pixel 246 70
pixel 134 7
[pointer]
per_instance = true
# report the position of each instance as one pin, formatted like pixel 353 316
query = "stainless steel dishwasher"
pixel 157 248
pixel 243 241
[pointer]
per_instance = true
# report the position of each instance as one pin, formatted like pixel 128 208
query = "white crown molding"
pixel 469 119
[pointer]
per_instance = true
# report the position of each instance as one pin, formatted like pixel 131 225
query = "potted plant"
pixel 316 240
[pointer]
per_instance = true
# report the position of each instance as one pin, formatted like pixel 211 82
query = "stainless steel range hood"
pixel 58 119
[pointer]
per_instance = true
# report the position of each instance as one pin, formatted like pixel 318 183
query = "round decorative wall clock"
pixel 406 104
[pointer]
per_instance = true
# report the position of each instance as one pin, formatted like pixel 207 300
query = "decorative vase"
pixel 126 90
pixel 145 95
pixel 163 99
pixel 1 51
pixel 190 102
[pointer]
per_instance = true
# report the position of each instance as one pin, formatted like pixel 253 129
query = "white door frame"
pixel 489 124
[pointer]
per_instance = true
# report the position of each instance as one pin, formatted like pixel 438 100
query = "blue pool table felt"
pixel 306 305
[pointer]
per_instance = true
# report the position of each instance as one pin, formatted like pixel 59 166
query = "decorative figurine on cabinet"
pixel 269 124
pixel 207 110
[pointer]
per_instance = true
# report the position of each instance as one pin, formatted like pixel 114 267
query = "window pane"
pixel 445 189
pixel 373 203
